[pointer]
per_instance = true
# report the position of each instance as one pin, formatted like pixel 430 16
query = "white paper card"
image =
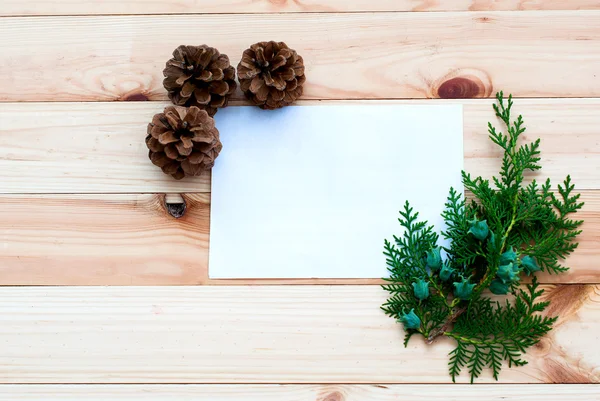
pixel 312 191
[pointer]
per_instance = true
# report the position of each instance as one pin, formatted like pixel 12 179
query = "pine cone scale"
pixel 268 78
pixel 287 54
pixel 170 168
pixel 181 80
pixel 173 121
pixel 287 74
pixel 196 157
pixel 245 85
pixel 299 70
pixel 219 88
pixel 186 143
pixel 288 97
pixel 221 63
pixel 262 93
pixel 204 76
pixel 153 144
pixel 159 122
pixel 229 76
pixel 292 84
pixel 259 54
pixel 256 84
pixel 171 151
pixel 278 62
pixel 190 118
pixel 277 95
pixel 183 150
pixel 173 64
pixel 167 138
pixel 247 73
pixel 159 159
pixel 202 96
pixel 217 75
pixel 248 58
pixel 279 83
pixel 202 138
pixel 187 90
pixel 218 102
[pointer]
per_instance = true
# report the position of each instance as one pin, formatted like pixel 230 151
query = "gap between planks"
pixel 374 392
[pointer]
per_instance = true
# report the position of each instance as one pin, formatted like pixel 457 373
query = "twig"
pixel 438 332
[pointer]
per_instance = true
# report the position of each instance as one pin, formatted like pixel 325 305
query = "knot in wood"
pixel 460 88
pixel 175 205
pixel 543 347
pixel 134 97
pixel 333 396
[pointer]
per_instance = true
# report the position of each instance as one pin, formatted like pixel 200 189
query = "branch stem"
pixel 444 328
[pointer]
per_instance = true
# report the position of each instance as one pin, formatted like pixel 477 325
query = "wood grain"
pixel 108 7
pixel 99 147
pixel 82 148
pixel 348 56
pixel 100 240
pixel 376 392
pixel 283 334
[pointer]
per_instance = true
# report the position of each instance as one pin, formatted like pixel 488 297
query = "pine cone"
pixel 271 74
pixel 199 76
pixel 183 141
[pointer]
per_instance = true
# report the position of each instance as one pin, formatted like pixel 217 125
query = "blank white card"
pixel 312 191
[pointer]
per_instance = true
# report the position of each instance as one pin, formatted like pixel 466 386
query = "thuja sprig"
pixel 504 230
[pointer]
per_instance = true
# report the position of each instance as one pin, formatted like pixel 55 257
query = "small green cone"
pixel 421 289
pixel 410 320
pixel 434 259
pixel 479 229
pixel 508 273
pixel 446 272
pixel 509 256
pixel 463 289
pixel 498 287
pixel 530 265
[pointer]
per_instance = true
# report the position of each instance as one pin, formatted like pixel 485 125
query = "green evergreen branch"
pixel 507 229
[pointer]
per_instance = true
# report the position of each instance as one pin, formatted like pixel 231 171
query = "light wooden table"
pixel 80 204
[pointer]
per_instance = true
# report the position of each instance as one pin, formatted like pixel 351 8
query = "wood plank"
pixel 112 7
pixel 82 148
pixel 100 240
pixel 348 56
pixel 99 147
pixel 116 239
pixel 377 392
pixel 287 334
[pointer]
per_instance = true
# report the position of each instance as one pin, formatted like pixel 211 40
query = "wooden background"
pixel 81 205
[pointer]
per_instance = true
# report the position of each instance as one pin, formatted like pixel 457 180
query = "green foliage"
pixel 506 229
pixel 409 256
pixel 490 332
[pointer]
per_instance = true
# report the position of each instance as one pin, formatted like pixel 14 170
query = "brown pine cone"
pixel 271 74
pixel 182 141
pixel 199 76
